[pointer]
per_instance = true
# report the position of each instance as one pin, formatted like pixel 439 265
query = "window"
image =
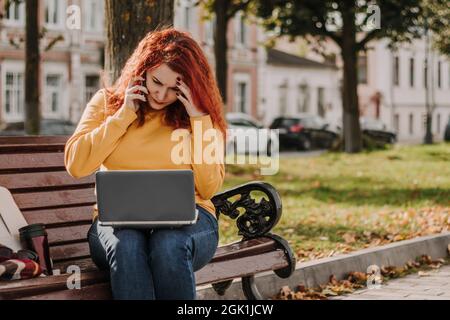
pixel 283 89
pixel 93 21
pixel 424 122
pixel 425 74
pixel 396 122
pixel 91 86
pixel 362 69
pixel 411 72
pixel 54 12
pixel 320 102
pixel 396 74
pixel 438 123
pixel 53 94
pixel 411 124
pixel 439 75
pixel 13 103
pixel 241 94
pixel 15 15
pixel 240 30
pixel 303 98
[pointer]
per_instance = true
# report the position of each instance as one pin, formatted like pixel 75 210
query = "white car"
pixel 249 136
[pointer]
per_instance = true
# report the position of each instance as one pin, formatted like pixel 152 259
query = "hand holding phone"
pixel 134 92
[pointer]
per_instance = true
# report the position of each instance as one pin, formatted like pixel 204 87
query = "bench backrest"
pixel 32 168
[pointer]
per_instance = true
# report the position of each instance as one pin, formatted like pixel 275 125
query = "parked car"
pixel 376 130
pixel 304 132
pixel 238 120
pixel 447 131
pixel 48 127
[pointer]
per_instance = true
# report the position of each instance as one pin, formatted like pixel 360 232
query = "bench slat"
pixel 33 139
pixel 21 161
pixel 213 272
pixel 44 199
pixel 71 252
pixel 41 179
pixel 70 233
pixel 236 268
pixel 60 215
pixel 40 285
pixel 100 291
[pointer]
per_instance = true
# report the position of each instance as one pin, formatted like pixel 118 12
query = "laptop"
pixel 146 198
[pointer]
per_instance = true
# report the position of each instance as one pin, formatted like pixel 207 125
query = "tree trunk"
pixel 352 129
pixel 221 46
pixel 32 69
pixel 126 23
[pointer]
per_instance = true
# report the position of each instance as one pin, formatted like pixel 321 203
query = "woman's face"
pixel 161 85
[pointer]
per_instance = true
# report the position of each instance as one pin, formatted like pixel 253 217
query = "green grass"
pixel 340 202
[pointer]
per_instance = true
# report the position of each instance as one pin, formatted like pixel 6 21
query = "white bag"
pixel 11 220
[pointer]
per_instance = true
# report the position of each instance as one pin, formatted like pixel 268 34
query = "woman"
pixel 165 85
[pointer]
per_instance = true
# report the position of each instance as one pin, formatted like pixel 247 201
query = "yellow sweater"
pixel 116 143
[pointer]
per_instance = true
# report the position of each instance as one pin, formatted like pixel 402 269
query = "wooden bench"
pixel 32 168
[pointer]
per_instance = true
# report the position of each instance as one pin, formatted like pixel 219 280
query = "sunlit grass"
pixel 339 202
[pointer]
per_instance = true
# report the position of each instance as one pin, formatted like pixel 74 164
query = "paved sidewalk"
pixel 434 286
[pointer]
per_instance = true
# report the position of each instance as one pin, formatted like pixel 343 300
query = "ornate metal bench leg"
pixel 221 287
pixel 250 289
pixel 290 256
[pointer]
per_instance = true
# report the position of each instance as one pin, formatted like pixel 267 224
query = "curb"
pixel 317 272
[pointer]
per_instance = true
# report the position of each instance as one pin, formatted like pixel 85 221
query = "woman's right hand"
pixel 133 92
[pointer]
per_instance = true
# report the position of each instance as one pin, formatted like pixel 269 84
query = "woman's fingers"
pixel 181 98
pixel 133 80
pixel 136 88
pixel 184 88
pixel 137 96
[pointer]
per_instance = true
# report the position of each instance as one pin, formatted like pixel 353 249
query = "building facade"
pixel 70 70
pixel 396 86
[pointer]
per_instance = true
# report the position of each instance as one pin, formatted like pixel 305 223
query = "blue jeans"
pixel 154 263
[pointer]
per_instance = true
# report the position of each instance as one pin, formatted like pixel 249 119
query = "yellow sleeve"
pixel 208 177
pixel 95 137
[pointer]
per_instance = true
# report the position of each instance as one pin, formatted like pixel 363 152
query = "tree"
pixel 127 22
pixel 224 11
pixel 33 35
pixel 438 13
pixel 32 68
pixel 351 25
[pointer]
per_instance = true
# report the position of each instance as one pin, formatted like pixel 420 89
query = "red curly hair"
pixel 183 55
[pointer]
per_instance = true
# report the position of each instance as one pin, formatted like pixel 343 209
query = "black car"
pixel 447 131
pixel 304 132
pixel 377 131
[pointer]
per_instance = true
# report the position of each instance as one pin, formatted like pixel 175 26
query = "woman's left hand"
pixel 184 95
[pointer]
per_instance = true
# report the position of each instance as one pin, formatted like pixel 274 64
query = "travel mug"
pixel 34 237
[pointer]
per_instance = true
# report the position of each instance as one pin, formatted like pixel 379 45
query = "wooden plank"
pixel 100 291
pixel 30 148
pixel 21 161
pixel 42 179
pixel 44 284
pixel 237 268
pixel 244 248
pixel 85 264
pixel 61 215
pixel 70 251
pixel 37 200
pixel 213 272
pixel 33 139
pixel 71 233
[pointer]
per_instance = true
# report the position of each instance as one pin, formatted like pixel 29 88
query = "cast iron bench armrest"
pixel 255 221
